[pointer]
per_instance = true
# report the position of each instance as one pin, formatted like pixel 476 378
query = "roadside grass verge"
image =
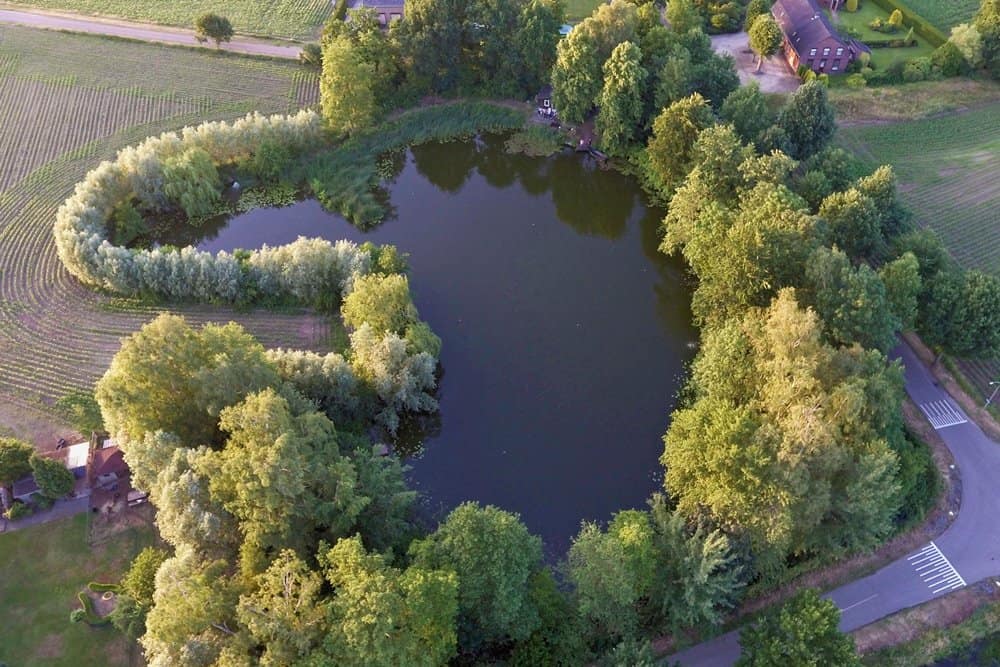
pixel 288 19
pixel 947 169
pixel 44 567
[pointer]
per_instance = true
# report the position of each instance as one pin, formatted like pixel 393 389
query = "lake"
pixel 565 331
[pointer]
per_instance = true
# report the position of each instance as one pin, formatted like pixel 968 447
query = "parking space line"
pixel 935 570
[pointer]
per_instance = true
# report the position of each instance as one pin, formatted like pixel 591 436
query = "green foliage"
pixel 534 140
pixel 191 181
pixel 851 5
pixel 82 410
pixel 948 58
pixel 52 477
pixel 382 301
pixel 683 16
pixel 15 460
pixel 674 134
pixel 960 313
pixel 987 23
pixel 631 653
pixel 896 18
pixel 495 557
pixel 747 111
pixel 311 54
pixel 808 119
pixel 140 580
pixel 903 287
pixel 346 94
pixel 803 631
pixel 755 8
pixel 620 102
pixel 126 223
pixel 270 160
pixel 90 615
pixel 765 37
pixel 213 27
pixel 18 510
pixel 559 639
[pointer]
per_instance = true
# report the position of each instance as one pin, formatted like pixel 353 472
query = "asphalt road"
pixel 140 31
pixel 967 552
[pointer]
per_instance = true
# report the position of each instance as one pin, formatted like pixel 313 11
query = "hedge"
pixel 920 25
pixel 90 613
pixel 890 43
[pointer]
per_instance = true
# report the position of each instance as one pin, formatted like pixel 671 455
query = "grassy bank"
pixel 44 567
pixel 289 19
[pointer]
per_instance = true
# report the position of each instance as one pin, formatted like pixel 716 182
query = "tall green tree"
pixel 765 38
pixel 345 87
pixel 494 556
pixel 803 631
pixel 621 98
pixel 755 8
pixel 987 22
pixel 747 111
pixel 674 134
pixel 683 16
pixel 52 477
pixel 213 27
pixel 15 463
pixel 903 287
pixel 808 120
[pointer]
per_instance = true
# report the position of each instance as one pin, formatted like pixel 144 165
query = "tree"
pixel 683 16
pixel 808 119
pixel 383 302
pixel 674 134
pixel 494 556
pixel 746 110
pixel 896 19
pixel 765 37
pixel 15 463
pixel 191 180
pixel 987 22
pixel 213 27
pixel 755 8
pixel 52 477
pixel 576 77
pixel 903 286
pixel 803 631
pixel 346 95
pixel 715 78
pixel 621 99
pixel 137 588
pixel 961 313
pixel 854 223
pixel 969 42
pixel 559 639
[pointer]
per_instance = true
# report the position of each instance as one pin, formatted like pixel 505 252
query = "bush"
pixel 918 69
pixel 896 19
pixel 851 6
pixel 948 59
pixel 311 54
pixel 18 510
pixel 43 502
pixel 77 616
pixel 213 27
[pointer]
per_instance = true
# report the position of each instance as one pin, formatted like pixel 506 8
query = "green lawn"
pixel 577 10
pixel 290 19
pixel 947 169
pixel 881 57
pixel 945 13
pixel 43 568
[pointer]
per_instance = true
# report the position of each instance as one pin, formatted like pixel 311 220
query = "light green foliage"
pixel 270 160
pixel 755 8
pixel 52 477
pixel 765 37
pixel 381 301
pixel 683 16
pixel 169 377
pixel 969 42
pixel 191 182
pixel 674 134
pixel 851 301
pixel 420 338
pixel 747 111
pixel 960 313
pixel 631 653
pixel 621 103
pixel 82 411
pixel 126 223
pixel 896 18
pixel 328 380
pixel 803 631
pixel 808 119
pixel 15 463
pixel 140 580
pixel 903 287
pixel 949 59
pixel 286 613
pixel 345 88
pixel 494 556
pixel 382 617
pixel 213 27
pixel 853 219
pixel 987 22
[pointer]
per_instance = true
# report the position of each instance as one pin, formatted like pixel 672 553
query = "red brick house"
pixel 386 10
pixel 810 40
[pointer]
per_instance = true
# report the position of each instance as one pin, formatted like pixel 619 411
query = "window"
pixel 840 51
pixel 395 16
pixel 836 65
pixel 812 52
pixel 826 51
pixel 546 103
pixel 810 63
pixel 381 19
pixel 822 65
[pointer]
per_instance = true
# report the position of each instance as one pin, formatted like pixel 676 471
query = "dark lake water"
pixel 565 332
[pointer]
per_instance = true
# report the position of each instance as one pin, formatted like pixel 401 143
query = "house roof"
pixel 803 23
pixel 108 461
pixel 25 486
pixel 357 4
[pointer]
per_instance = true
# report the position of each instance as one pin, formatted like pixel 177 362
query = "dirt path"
pixel 140 31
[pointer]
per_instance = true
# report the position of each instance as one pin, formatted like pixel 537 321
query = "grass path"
pixel 55 335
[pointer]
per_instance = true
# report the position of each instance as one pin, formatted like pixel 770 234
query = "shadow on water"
pixel 566 332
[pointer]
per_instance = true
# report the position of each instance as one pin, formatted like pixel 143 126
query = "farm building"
pixel 387 10
pixel 810 40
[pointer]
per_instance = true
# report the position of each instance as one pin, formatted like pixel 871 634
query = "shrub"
pixel 918 69
pixel 191 181
pixel 948 59
pixel 213 27
pixel 383 302
pixel 311 54
pixel 851 6
pixel 896 18
pixel 44 502
pixel 18 510
pixel 77 616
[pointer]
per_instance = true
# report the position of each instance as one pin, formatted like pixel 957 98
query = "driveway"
pixel 140 31
pixel 774 77
pixel 967 552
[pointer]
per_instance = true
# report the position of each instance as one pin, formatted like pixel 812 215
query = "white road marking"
pixel 942 414
pixel 870 597
pixel 936 571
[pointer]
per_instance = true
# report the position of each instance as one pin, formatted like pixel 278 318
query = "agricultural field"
pixel 45 566
pixel 945 14
pixel 288 19
pixel 61 113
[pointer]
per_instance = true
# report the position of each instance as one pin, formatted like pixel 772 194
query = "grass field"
pixel 911 101
pixel 947 169
pixel 881 57
pixel 41 570
pixel 944 13
pixel 577 10
pixel 290 19
pixel 61 112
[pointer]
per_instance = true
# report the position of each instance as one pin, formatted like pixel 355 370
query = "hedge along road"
pixel 140 31
pixel 967 552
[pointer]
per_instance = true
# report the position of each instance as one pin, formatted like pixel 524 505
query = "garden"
pixel 859 26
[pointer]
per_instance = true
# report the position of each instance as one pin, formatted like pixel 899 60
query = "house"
pixel 387 10
pixel 810 40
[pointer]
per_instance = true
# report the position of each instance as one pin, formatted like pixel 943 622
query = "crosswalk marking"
pixel 936 571
pixel 942 414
